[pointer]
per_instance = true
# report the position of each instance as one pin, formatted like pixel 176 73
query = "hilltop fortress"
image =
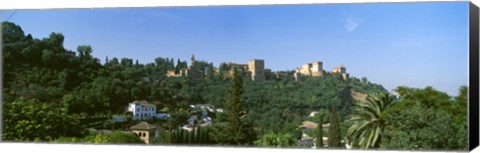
pixel 315 69
pixel 256 71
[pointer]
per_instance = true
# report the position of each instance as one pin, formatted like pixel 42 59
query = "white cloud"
pixel 351 24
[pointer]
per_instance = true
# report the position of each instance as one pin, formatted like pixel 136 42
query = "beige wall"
pixel 257 69
pixel 146 136
pixel 314 69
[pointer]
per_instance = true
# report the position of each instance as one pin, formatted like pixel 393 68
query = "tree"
pixel 334 135
pixel 32 120
pixel 420 128
pixel 191 136
pixel 11 32
pixel 115 137
pixel 234 130
pixel 84 51
pixel 175 120
pixel 223 67
pixel 276 140
pixel 320 133
pixel 368 120
pixel 460 105
pixel 426 119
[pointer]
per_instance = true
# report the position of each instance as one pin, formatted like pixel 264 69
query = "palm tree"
pixel 368 120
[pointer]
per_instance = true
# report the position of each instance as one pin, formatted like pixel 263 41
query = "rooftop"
pixel 143 126
pixel 313 125
pixel 143 102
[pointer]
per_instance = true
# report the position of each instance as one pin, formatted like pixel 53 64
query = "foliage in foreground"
pixel 32 120
pixel 276 140
pixel 115 137
pixel 421 119
pixel 368 120
pixel 427 119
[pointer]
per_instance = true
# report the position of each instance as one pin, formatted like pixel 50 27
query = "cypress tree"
pixel 182 136
pixel 171 66
pixel 334 130
pixel 190 135
pixel 320 132
pixel 178 66
pixel 172 136
pixel 178 137
pixel 199 136
pixel 234 109
pixel 205 136
pixel 234 131
pixel 210 71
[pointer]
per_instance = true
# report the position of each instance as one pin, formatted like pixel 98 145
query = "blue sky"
pixel 412 44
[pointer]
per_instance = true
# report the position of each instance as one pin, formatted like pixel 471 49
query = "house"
pixel 308 141
pixel 142 110
pixel 147 132
pixel 200 116
pixel 312 125
pixel 191 120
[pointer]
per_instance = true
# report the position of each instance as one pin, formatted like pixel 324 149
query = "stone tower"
pixel 340 69
pixel 317 69
pixel 257 69
pixel 192 61
pixel 314 69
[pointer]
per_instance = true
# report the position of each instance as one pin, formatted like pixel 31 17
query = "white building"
pixel 142 110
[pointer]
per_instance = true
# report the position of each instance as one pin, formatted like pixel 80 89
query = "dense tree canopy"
pixel 427 119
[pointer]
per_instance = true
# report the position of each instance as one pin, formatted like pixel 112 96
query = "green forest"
pixel 52 94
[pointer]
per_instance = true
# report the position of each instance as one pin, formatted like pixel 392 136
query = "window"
pixel 144 134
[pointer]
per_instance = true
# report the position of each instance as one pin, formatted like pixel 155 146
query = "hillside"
pixel 43 69
pixel 362 97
